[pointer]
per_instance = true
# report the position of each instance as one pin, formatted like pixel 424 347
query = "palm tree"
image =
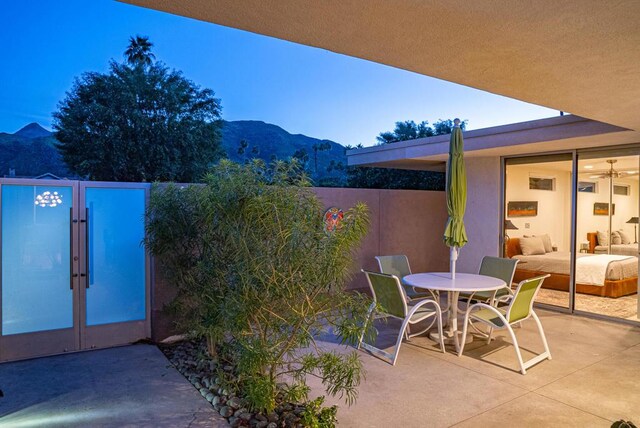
pixel 139 51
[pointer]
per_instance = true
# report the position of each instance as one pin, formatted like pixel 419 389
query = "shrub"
pixel 255 270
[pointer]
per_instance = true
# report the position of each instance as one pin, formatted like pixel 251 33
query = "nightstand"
pixel 584 247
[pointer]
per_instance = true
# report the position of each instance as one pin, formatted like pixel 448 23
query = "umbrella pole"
pixel 452 261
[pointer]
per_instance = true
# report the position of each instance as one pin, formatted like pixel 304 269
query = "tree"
pixel 302 156
pixel 254 270
pixel 139 52
pixel 388 178
pixel 138 123
pixel 319 147
pixel 409 130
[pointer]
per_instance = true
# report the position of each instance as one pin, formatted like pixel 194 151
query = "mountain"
pixel 31 151
pixel 32 130
pixel 265 140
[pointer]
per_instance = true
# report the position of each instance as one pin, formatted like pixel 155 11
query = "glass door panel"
pixel 116 264
pixel 116 291
pixel 538 222
pixel 606 234
pixel 38 284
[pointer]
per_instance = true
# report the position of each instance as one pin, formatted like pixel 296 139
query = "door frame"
pixel 56 341
pixel 80 336
pixel 575 153
pixel 113 334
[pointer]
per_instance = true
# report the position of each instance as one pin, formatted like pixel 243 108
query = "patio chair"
pixel 520 309
pixel 495 267
pixel 389 296
pixel 399 266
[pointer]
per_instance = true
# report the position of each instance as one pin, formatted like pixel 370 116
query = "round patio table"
pixel 463 282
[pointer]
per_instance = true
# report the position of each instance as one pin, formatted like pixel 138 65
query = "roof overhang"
pixel 581 57
pixel 536 136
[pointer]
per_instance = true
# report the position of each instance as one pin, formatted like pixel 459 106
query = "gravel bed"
pixel 214 380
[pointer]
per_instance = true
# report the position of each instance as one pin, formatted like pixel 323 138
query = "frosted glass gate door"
pixel 115 256
pixel 37 293
pixel 39 289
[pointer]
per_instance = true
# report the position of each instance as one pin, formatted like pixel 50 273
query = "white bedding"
pixel 619 249
pixel 559 262
pixel 593 270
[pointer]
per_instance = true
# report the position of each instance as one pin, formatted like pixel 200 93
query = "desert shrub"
pixel 254 270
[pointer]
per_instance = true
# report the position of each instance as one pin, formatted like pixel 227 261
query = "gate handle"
pixel 86 247
pixel 71 274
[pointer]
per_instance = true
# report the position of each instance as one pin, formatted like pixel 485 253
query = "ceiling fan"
pixel 612 173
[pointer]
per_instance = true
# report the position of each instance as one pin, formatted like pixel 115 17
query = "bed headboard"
pixel 513 247
pixel 592 237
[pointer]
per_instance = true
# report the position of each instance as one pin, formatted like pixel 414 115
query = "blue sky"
pixel 45 44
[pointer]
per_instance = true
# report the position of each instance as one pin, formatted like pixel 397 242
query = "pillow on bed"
pixel 546 241
pixel 615 238
pixel 626 239
pixel 603 239
pixel 532 246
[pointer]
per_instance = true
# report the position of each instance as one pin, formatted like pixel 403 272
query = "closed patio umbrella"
pixel 455 236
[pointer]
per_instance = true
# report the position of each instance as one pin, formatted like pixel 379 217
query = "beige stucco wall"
pixel 482 218
pixel 407 222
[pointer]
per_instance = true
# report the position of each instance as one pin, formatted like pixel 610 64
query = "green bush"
pixel 255 271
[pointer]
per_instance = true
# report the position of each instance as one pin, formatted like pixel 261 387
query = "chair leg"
pixel 440 331
pixel 542 336
pixel 517 348
pixel 489 335
pixel 373 305
pixel 403 329
pixel 464 333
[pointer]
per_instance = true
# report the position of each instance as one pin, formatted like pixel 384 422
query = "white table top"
pixel 469 282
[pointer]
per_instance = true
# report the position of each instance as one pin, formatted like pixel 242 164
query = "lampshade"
pixel 633 220
pixel 508 224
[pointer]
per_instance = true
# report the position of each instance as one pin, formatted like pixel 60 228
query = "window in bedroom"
pixel 542 183
pixel 621 189
pixel 587 187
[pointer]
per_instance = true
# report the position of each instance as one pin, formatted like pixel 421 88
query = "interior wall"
pixel 482 217
pixel 554 206
pixel 625 208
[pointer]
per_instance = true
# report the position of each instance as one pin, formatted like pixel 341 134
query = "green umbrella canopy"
pixel 455 234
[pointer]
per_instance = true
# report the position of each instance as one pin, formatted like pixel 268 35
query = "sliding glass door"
pixel 575 216
pixel 537 227
pixel 606 233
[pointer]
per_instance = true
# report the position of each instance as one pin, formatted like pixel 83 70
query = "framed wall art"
pixel 522 209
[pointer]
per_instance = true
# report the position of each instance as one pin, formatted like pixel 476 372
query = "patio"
pixel 591 380
pixel 126 386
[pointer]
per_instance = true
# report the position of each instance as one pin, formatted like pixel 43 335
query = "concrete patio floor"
pixel 131 386
pixel 592 380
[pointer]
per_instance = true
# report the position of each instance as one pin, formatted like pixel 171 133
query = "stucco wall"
pixel 482 218
pixel 407 222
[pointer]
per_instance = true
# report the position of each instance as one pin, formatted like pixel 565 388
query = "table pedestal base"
pixel 448 339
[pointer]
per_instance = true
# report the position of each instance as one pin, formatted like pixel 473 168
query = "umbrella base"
pixel 449 338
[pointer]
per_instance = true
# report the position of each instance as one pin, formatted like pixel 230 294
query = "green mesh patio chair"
pixel 389 297
pixel 399 266
pixel 520 309
pixel 495 267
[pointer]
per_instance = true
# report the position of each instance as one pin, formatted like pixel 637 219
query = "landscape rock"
pixel 226 411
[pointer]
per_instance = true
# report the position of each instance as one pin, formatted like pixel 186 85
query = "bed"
pixel 620 278
pixel 622 249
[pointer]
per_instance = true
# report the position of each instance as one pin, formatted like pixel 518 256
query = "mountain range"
pixel 31 151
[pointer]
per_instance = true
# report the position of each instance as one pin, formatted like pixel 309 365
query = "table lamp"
pixel 634 221
pixel 508 225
